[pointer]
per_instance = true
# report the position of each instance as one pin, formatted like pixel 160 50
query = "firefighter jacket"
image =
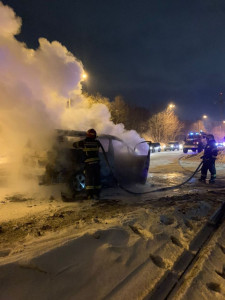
pixel 210 152
pixel 90 148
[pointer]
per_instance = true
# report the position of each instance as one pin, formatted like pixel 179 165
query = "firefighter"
pixel 90 146
pixel 209 157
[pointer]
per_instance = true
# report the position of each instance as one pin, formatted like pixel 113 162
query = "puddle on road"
pixel 167 179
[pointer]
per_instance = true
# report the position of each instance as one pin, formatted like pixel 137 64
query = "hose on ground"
pixel 147 192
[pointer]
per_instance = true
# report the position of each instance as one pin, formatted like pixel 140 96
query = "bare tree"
pixel 98 98
pixel 119 110
pixel 164 126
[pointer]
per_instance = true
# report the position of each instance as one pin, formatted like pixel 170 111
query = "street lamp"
pixel 171 105
pixel 84 76
pixel 203 117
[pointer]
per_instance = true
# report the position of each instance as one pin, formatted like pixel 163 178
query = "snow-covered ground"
pixel 116 248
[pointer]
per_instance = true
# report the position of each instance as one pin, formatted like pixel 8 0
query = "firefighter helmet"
pixel 91 133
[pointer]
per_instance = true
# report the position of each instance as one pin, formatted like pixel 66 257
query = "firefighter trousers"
pixel 208 165
pixel 92 178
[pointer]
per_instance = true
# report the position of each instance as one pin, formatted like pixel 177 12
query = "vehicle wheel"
pixel 185 150
pixel 77 182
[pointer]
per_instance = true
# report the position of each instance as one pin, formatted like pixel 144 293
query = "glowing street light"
pixel 171 105
pixel 204 117
pixel 84 76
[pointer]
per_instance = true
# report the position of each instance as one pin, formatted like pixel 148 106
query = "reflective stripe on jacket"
pixel 90 147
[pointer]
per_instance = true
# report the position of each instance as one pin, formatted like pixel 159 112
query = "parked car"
pixel 171 146
pixel 155 147
pixel 220 145
pixel 65 163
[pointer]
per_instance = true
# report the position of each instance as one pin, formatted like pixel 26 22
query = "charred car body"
pixel 66 164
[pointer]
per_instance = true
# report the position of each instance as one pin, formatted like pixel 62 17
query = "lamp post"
pixel 84 81
pixel 204 117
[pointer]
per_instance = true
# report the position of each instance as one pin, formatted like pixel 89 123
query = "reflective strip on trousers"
pixel 90 149
pixel 93 159
pixel 93 187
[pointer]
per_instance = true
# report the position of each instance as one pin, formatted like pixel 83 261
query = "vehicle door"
pixel 130 165
pixel 106 160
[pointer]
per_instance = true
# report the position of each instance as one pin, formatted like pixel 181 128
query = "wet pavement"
pixel 173 168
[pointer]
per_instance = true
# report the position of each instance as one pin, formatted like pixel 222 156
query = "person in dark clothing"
pixel 90 146
pixel 209 157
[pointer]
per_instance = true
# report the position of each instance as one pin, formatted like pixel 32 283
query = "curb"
pixel 170 282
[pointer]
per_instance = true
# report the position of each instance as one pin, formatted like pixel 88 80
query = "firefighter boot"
pixel 90 194
pixel 212 180
pixel 202 179
pixel 97 195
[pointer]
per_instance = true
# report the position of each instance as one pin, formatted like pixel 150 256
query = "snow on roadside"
pixel 206 279
pixel 94 250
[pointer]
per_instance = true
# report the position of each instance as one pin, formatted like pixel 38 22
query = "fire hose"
pixel 147 192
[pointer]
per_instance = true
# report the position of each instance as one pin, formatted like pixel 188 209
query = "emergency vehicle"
pixel 194 141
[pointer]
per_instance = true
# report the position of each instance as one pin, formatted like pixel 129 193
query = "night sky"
pixel 150 52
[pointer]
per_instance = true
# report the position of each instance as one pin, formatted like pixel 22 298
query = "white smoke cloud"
pixel 9 23
pixel 35 86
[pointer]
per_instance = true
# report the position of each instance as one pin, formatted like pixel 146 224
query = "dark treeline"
pixel 159 125
pixel 132 116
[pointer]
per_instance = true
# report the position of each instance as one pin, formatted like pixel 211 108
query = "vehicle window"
pixel 72 139
pixel 105 144
pixel 142 148
pixel 119 146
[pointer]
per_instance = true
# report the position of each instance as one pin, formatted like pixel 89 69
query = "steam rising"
pixel 35 86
